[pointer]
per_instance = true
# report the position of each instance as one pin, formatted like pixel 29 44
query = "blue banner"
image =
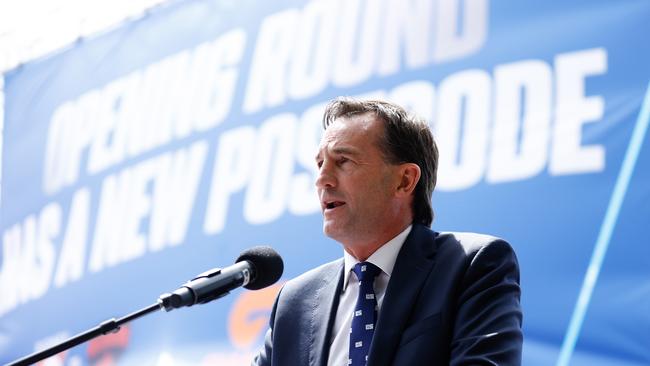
pixel 136 159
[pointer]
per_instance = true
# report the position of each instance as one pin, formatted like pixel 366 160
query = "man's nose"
pixel 326 178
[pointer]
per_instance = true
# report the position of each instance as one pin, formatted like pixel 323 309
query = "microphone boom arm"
pixel 255 268
pixel 105 327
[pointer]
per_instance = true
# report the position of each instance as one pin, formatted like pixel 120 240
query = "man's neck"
pixel 362 251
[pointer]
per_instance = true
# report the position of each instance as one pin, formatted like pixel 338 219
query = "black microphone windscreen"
pixel 268 266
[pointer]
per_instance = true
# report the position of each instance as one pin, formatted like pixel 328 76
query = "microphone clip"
pixel 185 296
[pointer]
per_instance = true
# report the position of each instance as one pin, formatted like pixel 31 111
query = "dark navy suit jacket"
pixel 452 299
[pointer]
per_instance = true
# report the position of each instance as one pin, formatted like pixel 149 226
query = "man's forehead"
pixel 338 146
pixel 349 135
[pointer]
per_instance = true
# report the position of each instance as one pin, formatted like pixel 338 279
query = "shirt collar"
pixel 384 257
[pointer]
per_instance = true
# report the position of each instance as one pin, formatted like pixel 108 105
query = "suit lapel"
pixel 412 267
pixel 324 307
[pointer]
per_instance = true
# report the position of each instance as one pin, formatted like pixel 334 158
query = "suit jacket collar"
pixel 413 265
pixel 325 303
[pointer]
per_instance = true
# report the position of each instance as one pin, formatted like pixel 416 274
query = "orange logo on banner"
pixel 250 314
pixel 102 351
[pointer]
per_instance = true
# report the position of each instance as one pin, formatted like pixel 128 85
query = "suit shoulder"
pixel 472 243
pixel 315 277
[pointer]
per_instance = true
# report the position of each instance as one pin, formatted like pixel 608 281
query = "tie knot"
pixel 366 271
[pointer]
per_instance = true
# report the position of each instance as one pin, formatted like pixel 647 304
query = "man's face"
pixel 355 185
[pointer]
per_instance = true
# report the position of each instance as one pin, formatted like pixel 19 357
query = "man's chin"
pixel 331 231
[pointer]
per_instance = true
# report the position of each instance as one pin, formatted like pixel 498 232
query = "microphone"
pixel 256 268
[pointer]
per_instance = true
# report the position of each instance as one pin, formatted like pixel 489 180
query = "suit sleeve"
pixel 487 328
pixel 264 356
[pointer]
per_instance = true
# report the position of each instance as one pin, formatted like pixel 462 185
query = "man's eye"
pixel 319 163
pixel 343 160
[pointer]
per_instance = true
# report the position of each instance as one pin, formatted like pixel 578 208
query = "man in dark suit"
pixel 402 294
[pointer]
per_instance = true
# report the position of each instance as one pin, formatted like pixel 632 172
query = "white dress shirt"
pixel 384 258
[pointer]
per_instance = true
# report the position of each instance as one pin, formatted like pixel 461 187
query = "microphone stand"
pixel 207 286
pixel 105 327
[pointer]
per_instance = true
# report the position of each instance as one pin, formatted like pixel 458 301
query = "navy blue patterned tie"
pixel 365 314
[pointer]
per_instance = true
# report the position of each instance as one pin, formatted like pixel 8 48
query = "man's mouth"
pixel 333 204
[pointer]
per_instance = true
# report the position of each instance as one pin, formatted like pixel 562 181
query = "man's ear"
pixel 409 178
